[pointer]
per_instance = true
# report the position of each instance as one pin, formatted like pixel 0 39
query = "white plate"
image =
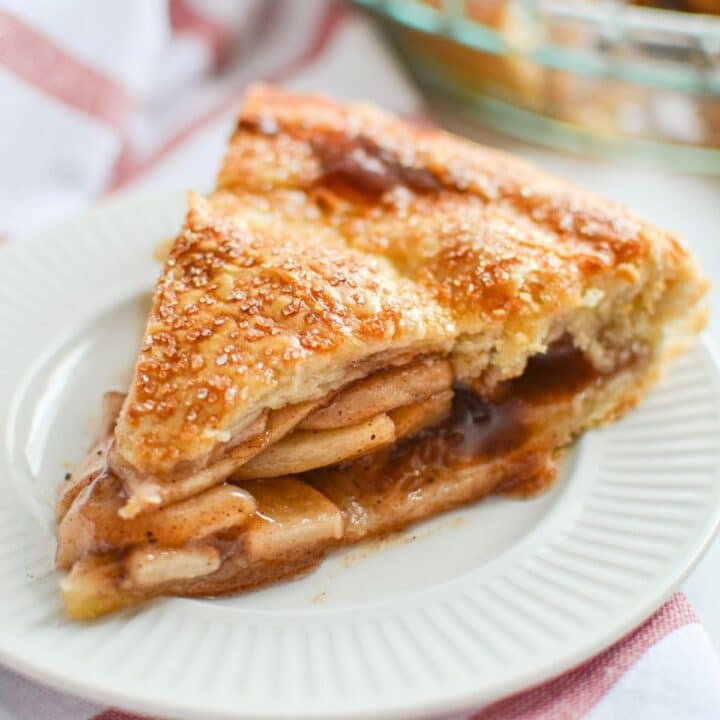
pixel 455 613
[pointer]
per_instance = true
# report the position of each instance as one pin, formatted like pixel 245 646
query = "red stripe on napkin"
pixel 571 695
pixel 34 57
pixel 184 18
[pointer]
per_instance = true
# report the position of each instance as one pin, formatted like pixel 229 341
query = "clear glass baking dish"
pixel 590 76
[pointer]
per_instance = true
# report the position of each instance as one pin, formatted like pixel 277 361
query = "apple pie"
pixel 367 323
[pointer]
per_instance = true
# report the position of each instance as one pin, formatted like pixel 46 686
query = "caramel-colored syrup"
pixel 479 431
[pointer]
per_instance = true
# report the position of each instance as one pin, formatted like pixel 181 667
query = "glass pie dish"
pixel 602 78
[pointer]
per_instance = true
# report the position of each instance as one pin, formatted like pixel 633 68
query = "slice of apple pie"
pixel 366 324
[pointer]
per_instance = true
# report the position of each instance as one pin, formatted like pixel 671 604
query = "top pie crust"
pixel 342 240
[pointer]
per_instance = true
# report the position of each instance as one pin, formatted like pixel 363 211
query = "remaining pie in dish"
pixel 366 324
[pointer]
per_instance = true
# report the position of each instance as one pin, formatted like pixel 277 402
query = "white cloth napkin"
pixel 99 96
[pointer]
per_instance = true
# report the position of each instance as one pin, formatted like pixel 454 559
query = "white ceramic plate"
pixel 455 613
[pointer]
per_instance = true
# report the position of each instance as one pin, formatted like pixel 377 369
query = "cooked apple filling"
pixel 385 451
